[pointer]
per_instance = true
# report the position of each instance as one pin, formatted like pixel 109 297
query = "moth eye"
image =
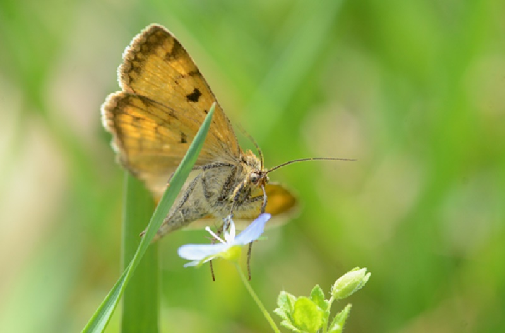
pixel 255 177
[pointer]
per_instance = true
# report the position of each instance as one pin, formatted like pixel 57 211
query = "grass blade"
pixel 101 317
pixel 141 296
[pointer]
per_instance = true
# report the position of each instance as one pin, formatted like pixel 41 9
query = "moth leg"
pixel 236 194
pixel 255 201
pixel 218 233
pixel 265 199
pixel 249 254
pixel 251 203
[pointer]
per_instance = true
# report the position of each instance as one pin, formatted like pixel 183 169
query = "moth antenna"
pixel 310 159
pixel 258 149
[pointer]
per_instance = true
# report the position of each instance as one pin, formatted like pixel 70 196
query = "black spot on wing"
pixel 184 138
pixel 177 52
pixel 194 96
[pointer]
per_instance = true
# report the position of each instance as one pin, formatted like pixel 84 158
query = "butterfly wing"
pixel 163 103
pixel 151 140
pixel 281 203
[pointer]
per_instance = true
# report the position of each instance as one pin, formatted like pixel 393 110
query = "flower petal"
pixel 200 251
pixel 253 231
pixel 192 263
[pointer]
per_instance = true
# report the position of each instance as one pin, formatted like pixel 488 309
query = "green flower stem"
pixel 327 321
pixel 256 299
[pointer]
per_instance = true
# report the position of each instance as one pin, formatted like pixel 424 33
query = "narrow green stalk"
pixel 256 299
pixel 141 303
pixel 330 302
pixel 102 315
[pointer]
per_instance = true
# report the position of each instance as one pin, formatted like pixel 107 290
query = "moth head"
pixel 258 177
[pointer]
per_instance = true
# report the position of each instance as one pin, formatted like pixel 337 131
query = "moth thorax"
pixel 251 160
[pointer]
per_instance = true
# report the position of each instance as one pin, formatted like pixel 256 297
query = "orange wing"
pixel 280 202
pixel 163 103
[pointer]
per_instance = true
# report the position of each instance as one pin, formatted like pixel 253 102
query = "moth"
pixel 153 119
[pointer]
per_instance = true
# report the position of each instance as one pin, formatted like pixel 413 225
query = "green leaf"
pixel 317 296
pixel 287 324
pixel 101 317
pixel 337 325
pixel 141 297
pixel 307 316
pixel 286 306
pixel 286 302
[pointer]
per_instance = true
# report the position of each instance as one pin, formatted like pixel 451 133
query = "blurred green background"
pixel 413 89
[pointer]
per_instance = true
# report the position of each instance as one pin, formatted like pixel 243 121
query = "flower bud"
pixel 349 283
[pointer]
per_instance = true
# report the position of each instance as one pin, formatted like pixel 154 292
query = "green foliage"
pixel 285 308
pixel 307 316
pixel 311 314
pixel 141 299
pixel 412 89
pixel 338 322
pixel 102 316
pixel 317 296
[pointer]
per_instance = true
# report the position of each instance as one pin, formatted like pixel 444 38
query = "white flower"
pixel 229 248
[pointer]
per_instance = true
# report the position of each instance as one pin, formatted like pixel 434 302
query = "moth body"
pixel 218 190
